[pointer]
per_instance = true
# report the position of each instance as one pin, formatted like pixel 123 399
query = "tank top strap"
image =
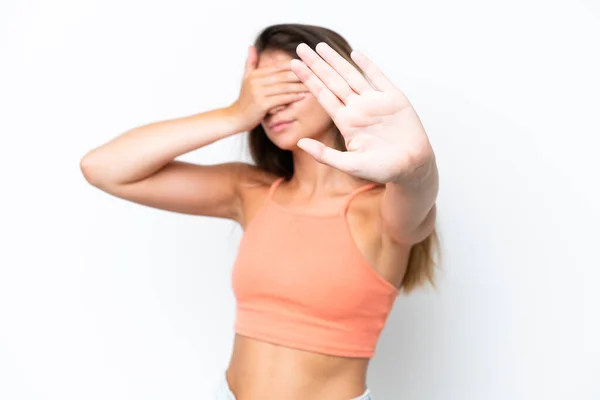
pixel 354 193
pixel 274 185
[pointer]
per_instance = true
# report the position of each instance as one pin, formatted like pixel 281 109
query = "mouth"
pixel 280 126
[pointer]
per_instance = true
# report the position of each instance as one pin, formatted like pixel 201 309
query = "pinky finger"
pixel 376 75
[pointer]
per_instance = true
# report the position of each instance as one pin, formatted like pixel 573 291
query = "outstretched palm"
pixel 383 133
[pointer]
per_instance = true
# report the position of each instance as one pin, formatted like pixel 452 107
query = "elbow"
pixel 414 234
pixel 427 226
pixel 90 170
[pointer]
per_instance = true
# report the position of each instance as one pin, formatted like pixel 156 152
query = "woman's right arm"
pixel 139 166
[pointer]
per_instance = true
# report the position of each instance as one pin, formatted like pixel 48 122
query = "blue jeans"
pixel 224 392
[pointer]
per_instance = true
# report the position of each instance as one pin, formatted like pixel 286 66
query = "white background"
pixel 105 299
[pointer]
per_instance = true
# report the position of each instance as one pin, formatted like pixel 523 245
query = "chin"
pixel 286 143
pixel 286 140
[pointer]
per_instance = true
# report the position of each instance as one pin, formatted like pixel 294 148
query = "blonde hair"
pixel 424 257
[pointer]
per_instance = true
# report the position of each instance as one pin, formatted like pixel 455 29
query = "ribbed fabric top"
pixel 301 281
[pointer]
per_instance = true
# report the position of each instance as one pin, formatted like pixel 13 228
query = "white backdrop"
pixel 105 299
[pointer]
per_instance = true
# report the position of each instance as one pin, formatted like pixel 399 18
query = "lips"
pixel 274 124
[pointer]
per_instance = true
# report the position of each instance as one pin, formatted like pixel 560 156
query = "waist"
pixel 263 370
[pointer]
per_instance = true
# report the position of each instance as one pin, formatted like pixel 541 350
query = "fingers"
pixel 268 71
pixel 251 61
pixel 319 70
pixel 276 85
pixel 280 83
pixel 330 102
pixel 280 99
pixel 346 71
pixel 376 76
pixel 284 88
pixel 278 77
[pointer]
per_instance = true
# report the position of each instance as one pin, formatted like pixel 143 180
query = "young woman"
pixel 338 208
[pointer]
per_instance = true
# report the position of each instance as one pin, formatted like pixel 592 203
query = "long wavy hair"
pixel 425 255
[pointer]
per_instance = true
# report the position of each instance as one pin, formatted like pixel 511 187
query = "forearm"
pixel 409 202
pixel 143 150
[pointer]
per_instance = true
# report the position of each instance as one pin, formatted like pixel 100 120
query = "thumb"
pixel 341 160
pixel 250 61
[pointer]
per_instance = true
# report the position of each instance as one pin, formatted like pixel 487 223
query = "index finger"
pixel 278 66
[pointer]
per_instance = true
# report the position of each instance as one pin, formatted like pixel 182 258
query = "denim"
pixel 224 392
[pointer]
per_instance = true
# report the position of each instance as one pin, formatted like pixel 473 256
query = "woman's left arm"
pixel 384 137
pixel 408 208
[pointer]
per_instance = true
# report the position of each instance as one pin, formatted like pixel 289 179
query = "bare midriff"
pixel 261 370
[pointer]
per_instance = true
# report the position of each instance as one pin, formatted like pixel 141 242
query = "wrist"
pixel 235 118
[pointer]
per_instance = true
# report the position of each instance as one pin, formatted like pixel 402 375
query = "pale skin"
pixel 386 144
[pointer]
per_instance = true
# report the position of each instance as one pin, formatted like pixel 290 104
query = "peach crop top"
pixel 300 281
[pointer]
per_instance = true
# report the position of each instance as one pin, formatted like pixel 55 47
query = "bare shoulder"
pixel 254 184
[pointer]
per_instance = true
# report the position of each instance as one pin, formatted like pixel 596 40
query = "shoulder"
pixel 363 215
pixel 368 202
pixel 250 179
pixel 253 185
